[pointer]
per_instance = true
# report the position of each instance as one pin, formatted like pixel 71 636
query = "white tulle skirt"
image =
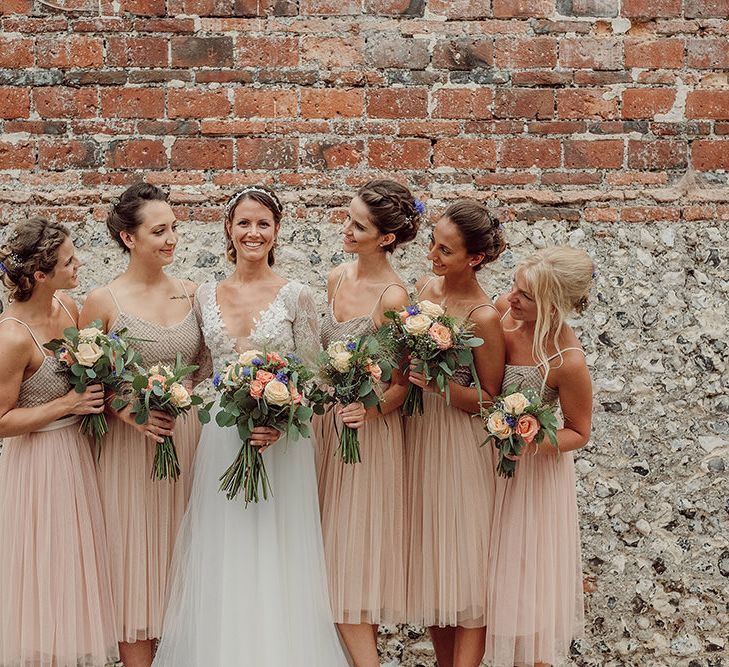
pixel 248 584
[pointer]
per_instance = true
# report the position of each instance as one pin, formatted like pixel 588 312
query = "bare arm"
pixel 98 306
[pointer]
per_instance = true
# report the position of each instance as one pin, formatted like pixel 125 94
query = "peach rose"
pixel 295 395
pixel 403 315
pixel 374 370
pixel 160 379
pixel 66 358
pixel 257 388
pixel 497 425
pixel 264 376
pixel 441 334
pixel 527 427
pixel 273 357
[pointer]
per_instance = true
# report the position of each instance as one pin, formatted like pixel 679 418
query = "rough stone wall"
pixel 593 122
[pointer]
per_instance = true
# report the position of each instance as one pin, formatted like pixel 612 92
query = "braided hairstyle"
pixel 392 209
pixel 265 196
pixel 34 247
pixel 125 212
pixel 481 233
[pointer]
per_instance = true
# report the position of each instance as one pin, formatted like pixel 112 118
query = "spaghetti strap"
pixel 113 298
pixel 482 305
pixel 503 317
pixel 382 293
pixel 184 289
pixel 559 353
pixel 63 305
pixel 336 288
pixel 30 331
pixel 427 282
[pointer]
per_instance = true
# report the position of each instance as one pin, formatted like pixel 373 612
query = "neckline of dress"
pixel 37 370
pixel 351 319
pixel 119 313
pixel 256 320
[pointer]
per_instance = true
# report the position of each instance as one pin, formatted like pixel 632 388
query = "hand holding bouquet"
pixel 438 341
pixel 354 369
pixel 515 419
pixel 259 389
pixel 93 357
pixel 161 388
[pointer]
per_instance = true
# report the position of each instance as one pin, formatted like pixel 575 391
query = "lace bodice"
pixel 288 324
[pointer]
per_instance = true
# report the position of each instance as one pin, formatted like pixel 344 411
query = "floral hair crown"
pixel 253 188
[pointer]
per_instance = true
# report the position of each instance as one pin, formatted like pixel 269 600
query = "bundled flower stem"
pixel 353 370
pixel 437 342
pixel 93 357
pixel 515 419
pixel 259 389
pixel 160 388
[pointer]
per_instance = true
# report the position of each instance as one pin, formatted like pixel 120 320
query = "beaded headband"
pixel 253 188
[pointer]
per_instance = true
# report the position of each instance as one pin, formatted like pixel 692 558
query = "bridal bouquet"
pixel 93 357
pixel 161 388
pixel 515 419
pixel 353 370
pixel 259 389
pixel 438 341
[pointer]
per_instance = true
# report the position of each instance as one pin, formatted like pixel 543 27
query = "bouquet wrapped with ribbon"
pixel 439 342
pixel 259 389
pixel 517 418
pixel 93 357
pixel 353 370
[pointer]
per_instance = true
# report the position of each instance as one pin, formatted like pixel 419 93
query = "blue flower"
pixel 296 359
pixel 413 310
pixel 216 380
pixel 510 420
pixel 282 377
pixel 246 372
pixel 351 346
pixel 257 362
pixel 114 336
pixel 3 268
pixel 419 207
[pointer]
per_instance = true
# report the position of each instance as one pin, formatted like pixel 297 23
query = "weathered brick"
pixel 465 153
pixel 708 53
pixel 388 51
pixel 16 155
pixel 267 153
pixel 505 9
pixel 209 7
pixel 69 51
pixel 651 8
pixel 265 103
pixel 399 153
pixel 599 53
pixel 657 154
pixel 397 103
pixel 462 103
pixel 62 102
pixel 202 51
pixel 332 103
pixel 586 103
pixel 395 7
pixel 202 154
pixel 647 102
pixel 136 52
pixel 267 52
pixel 701 9
pixel 527 153
pixel 524 103
pixel 588 7
pixel 143 7
pixel 330 7
pixel 9 7
pixel 61 155
pixel 459 9
pixel 14 102
pixel 654 53
pixel 332 154
pixel 593 154
pixel 16 52
pixel 650 214
pixel 525 52
pixel 463 53
pixel 332 52
pixel 133 102
pixel 136 154
pixel 198 104
pixel 708 104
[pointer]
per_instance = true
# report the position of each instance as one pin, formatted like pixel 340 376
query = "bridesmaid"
pixel 362 504
pixel 142 515
pixel 55 589
pixel 535 576
pixel 450 477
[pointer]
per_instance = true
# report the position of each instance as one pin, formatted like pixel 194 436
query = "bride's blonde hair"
pixel 559 279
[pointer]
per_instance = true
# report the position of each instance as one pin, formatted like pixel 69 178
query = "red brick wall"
pixel 575 109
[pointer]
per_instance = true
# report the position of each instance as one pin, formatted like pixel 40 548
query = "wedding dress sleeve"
pixel 306 326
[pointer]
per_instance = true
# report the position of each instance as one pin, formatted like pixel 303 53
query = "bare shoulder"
pixel 421 282
pixel 395 297
pixel 70 304
pixel 502 304
pixel 485 317
pixel 190 286
pixel 16 343
pixel 98 298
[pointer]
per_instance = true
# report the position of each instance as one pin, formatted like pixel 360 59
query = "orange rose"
pixel 257 388
pixel 404 315
pixel 273 357
pixel 295 395
pixel 374 370
pixel 527 427
pixel 441 334
pixel 264 376
pixel 155 378
pixel 66 358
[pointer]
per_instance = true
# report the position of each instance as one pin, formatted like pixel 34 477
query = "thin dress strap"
pixel 382 293
pixel 559 353
pixel 116 303
pixel 503 317
pixel 427 282
pixel 336 288
pixel 30 331
pixel 184 289
pixel 481 305
pixel 63 305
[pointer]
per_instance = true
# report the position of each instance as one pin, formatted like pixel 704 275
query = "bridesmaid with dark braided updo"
pixel 362 508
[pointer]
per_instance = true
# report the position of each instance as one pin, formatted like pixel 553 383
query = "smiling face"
pixel 359 233
pixel 252 229
pixel 447 251
pixel 155 239
pixel 521 300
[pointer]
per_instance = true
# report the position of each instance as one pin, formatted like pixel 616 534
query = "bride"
pixel 248 583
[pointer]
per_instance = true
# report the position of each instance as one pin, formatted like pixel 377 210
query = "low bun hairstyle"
pixel 125 212
pixel 392 209
pixel 265 196
pixel 34 247
pixel 481 233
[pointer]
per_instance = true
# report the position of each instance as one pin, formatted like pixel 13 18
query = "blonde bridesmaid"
pixel 450 476
pixel 535 568
pixel 362 504
pixel 142 515
pixel 56 608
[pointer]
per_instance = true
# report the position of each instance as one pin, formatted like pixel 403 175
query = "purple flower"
pixel 216 380
pixel 419 207
pixel 282 377
pixel 257 362
pixel 413 310
pixel 3 268
pixel 351 346
pixel 246 372
pixel 296 359
pixel 510 420
pixel 114 336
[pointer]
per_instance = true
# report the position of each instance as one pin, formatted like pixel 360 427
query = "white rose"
pixel 497 425
pixel 340 361
pixel 277 393
pixel 89 334
pixel 516 403
pixel 179 397
pixel 231 374
pixel 430 309
pixel 417 324
pixel 88 354
pixel 247 357
pixel 337 347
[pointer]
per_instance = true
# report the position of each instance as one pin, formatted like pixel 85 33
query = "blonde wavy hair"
pixel 559 279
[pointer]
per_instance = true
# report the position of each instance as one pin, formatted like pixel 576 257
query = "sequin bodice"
pixel 529 377
pixel 333 330
pixel 49 382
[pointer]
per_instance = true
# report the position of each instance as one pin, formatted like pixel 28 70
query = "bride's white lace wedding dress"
pixel 249 583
